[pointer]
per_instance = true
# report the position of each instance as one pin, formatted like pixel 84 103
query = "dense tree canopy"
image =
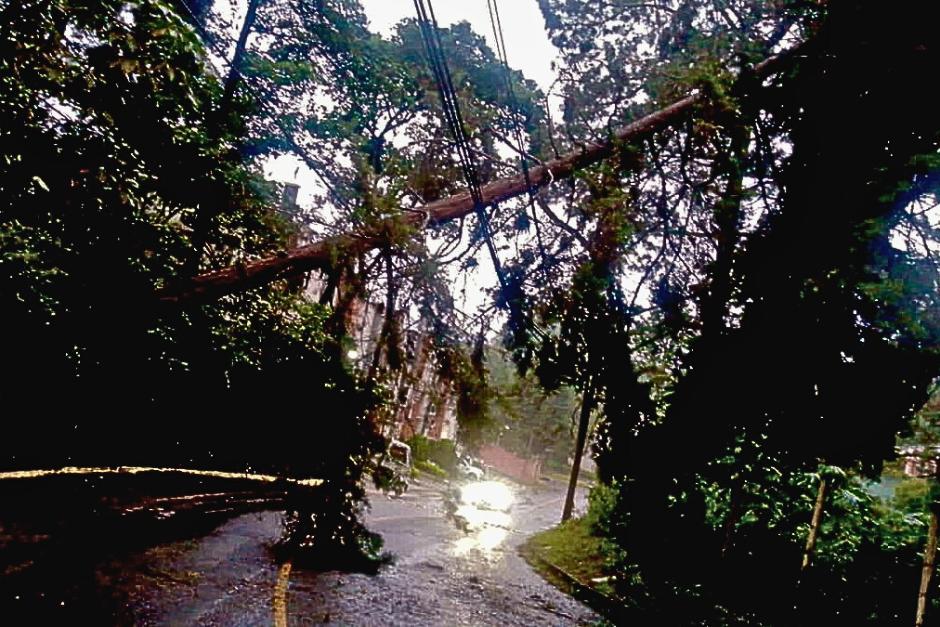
pixel 786 334
pixel 115 150
pixel 746 290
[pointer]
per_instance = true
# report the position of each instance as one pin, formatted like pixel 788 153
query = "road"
pixel 441 574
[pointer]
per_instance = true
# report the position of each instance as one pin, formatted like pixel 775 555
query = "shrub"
pixel 443 453
pixel 431 468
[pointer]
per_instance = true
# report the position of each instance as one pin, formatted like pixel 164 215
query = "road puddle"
pixel 482 510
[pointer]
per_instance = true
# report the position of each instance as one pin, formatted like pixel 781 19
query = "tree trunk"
pixel 234 72
pixel 587 404
pixel 386 332
pixel 322 255
pixel 814 525
pixel 208 208
pixel 411 390
pixel 329 289
pixel 528 446
pixel 727 215
pixel 930 555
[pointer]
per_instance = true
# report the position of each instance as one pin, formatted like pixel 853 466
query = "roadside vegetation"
pixel 437 458
pixel 886 533
pixel 711 256
pixel 571 548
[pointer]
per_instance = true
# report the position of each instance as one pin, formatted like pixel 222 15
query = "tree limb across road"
pixel 322 254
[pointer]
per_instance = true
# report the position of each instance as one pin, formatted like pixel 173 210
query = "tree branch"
pixel 320 255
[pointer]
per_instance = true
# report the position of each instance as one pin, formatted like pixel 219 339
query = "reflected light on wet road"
pixel 483 509
pixel 491 495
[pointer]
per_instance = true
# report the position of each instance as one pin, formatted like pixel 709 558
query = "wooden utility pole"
pixel 814 525
pixel 587 404
pixel 926 574
pixel 322 255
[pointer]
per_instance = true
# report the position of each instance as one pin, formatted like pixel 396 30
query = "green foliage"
pixel 432 469
pixel 526 419
pixel 388 479
pixel 865 566
pixel 467 374
pixel 441 455
pixel 121 170
pixel 786 328
pixel 806 338
pixel 912 494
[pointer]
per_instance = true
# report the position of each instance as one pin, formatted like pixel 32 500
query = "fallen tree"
pixel 322 254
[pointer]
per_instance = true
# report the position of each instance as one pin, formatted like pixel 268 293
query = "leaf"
pixel 128 66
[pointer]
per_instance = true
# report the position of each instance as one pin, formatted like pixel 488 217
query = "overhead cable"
pixel 430 31
pixel 496 24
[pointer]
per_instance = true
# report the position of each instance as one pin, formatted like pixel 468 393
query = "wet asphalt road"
pixel 442 575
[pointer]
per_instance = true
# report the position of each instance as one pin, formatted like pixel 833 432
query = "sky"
pixel 527 46
pixel 528 49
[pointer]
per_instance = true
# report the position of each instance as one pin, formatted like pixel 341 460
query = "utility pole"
pixel 930 550
pixel 320 255
pixel 587 404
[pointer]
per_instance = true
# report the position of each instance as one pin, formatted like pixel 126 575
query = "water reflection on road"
pixel 482 510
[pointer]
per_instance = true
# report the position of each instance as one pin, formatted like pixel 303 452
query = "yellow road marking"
pixel 283 575
pixel 133 470
pixel 280 595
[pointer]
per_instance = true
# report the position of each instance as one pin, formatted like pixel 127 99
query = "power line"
pixel 431 35
pixel 446 88
pixel 430 31
pixel 444 82
pixel 497 25
pixel 197 21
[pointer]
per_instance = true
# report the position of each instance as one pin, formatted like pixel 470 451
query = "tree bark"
pixel 321 255
pixel 717 301
pixel 587 404
pixel 814 525
pixel 208 209
pixel 386 332
pixel 930 555
pixel 234 72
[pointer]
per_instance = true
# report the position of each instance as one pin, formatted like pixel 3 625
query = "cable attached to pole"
pixel 430 31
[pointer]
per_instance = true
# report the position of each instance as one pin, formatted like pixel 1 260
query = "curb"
pixel 610 607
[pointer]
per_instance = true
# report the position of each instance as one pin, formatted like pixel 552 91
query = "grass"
pixel 569 547
pixel 430 468
pixel 571 558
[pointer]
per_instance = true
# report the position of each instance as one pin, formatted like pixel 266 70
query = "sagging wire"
pixel 497 25
pixel 430 32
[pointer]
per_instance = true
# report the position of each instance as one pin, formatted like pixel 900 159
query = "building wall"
pixel 424 405
pixel 510 464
